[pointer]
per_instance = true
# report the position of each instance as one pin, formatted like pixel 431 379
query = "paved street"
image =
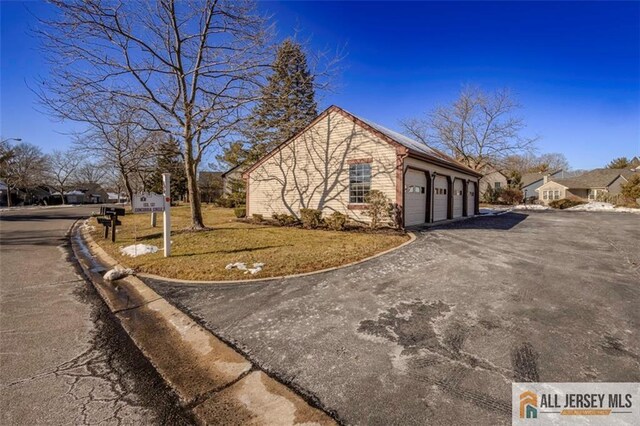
pixel 63 359
pixel 436 332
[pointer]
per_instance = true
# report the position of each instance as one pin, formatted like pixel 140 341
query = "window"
pixel 556 195
pixel 359 182
pixel 415 189
pixel 545 195
pixel 497 185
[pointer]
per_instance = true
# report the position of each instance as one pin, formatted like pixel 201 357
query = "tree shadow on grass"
pixel 244 250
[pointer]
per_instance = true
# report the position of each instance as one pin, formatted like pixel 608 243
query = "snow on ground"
pixel 257 267
pixel 138 250
pixel 117 273
pixel 531 207
pixel 494 210
pixel 597 206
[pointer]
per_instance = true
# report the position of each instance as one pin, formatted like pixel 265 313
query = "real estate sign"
pixel 147 202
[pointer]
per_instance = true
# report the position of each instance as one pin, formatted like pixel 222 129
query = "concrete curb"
pixel 412 238
pixel 215 382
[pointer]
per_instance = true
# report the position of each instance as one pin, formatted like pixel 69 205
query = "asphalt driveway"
pixel 437 331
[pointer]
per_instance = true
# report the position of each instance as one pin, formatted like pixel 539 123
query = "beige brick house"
pixel 584 187
pixel 335 161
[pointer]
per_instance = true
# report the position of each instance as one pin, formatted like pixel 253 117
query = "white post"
pixel 167 214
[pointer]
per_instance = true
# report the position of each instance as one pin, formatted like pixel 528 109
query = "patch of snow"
pixel 136 250
pixel 117 273
pixel 531 207
pixel 493 211
pixel 597 206
pixel 241 266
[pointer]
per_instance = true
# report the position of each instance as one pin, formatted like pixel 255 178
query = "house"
pixel 492 178
pixel 232 177
pixel 530 182
pixel 210 186
pixel 584 187
pixel 334 162
pixel 90 193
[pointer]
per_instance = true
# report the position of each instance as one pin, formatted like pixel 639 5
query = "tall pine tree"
pixel 287 104
pixel 169 160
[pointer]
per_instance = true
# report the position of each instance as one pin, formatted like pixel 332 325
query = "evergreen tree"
pixel 169 160
pixel 619 163
pixel 287 103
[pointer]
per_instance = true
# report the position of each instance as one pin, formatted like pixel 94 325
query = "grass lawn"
pixel 204 255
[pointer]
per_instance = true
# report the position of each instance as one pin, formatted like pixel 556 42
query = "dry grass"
pixel 204 255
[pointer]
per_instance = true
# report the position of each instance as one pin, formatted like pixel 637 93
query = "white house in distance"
pixel 338 158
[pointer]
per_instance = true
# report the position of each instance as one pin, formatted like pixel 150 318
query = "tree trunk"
pixel 8 195
pixel 192 185
pixel 127 185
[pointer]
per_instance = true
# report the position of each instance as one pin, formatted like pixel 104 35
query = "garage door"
pixel 457 198
pixel 471 198
pixel 440 198
pixel 415 197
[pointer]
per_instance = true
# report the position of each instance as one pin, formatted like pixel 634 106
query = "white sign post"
pixel 148 202
pixel 166 177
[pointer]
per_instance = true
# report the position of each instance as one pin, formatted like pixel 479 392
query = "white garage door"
pixel 458 195
pixel 471 198
pixel 415 197
pixel 440 197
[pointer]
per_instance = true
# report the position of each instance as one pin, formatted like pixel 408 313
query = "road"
pixel 63 358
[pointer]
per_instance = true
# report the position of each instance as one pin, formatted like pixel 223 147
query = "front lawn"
pixel 204 255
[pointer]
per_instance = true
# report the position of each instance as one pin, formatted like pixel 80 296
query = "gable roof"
pixel 529 178
pixel 413 147
pixel 597 178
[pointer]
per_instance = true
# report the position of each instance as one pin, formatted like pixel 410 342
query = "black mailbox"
pixel 111 220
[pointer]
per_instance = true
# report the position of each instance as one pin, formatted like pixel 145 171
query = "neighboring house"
pixel 232 176
pixel 584 187
pixel 334 162
pixel 210 186
pixel 90 193
pixel 492 178
pixel 113 197
pixel 530 182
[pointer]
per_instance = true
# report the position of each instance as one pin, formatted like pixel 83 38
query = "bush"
pixel 379 209
pixel 631 189
pixel 257 217
pixel 311 218
pixel 240 211
pixel 284 219
pixel 336 221
pixel 511 195
pixel 491 195
pixel 606 197
pixel 565 203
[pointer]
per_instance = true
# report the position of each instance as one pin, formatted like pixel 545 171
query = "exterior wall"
pixel 530 190
pixel 616 185
pixel 312 171
pixel 551 186
pixel 582 194
pixel 490 179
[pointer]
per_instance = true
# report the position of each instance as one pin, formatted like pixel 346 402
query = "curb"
pixel 412 238
pixel 218 384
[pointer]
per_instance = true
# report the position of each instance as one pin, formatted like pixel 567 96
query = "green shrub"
pixel 257 217
pixel 379 209
pixel 491 195
pixel 511 195
pixel 284 219
pixel 336 221
pixel 565 203
pixel 311 218
pixel 240 211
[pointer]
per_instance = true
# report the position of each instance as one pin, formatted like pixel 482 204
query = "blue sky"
pixel 574 66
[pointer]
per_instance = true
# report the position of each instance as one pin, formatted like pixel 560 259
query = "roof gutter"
pixel 443 163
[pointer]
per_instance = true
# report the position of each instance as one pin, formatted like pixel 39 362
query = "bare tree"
pixel 119 141
pixel 91 172
pixel 61 169
pixel 477 129
pixel 24 169
pixel 191 68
